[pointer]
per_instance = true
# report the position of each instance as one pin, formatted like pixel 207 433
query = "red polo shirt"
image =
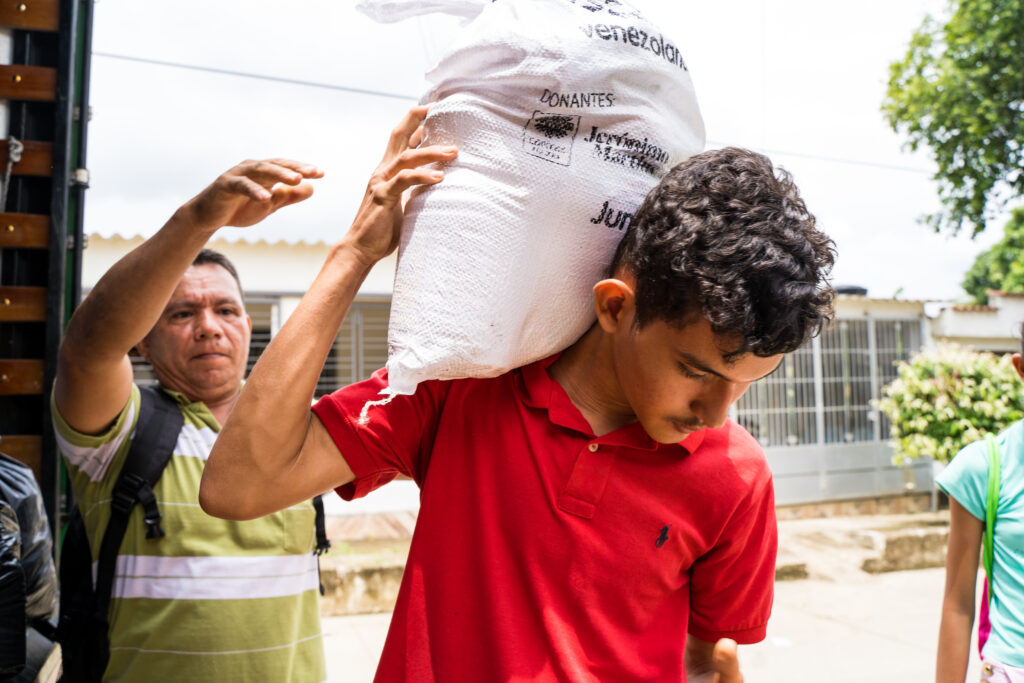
pixel 543 552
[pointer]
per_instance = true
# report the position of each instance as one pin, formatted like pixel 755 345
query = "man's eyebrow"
pixel 698 364
pixel 186 303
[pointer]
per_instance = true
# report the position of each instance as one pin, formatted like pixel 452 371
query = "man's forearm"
pixel 262 442
pixel 94 375
pixel 127 301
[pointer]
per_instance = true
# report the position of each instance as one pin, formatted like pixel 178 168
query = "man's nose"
pixel 207 324
pixel 712 405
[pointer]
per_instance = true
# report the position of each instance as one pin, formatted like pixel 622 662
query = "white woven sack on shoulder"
pixel 566 113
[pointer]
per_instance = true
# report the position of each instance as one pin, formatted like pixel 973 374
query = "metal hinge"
pixel 80 177
pixel 71 242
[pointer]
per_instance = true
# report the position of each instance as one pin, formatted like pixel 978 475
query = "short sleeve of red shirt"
pixel 732 586
pixel 394 439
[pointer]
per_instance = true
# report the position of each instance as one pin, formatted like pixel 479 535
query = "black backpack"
pixel 83 629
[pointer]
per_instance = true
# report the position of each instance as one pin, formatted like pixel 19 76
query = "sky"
pixel 800 80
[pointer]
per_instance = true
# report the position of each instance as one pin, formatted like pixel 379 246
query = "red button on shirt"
pixel 543 552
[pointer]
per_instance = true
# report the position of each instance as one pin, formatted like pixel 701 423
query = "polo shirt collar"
pixel 537 389
pixel 200 409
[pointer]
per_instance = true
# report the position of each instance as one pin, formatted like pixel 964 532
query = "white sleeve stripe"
pixel 94 461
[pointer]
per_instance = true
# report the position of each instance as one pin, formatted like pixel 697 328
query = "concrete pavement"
pixel 878 628
pixel 864 628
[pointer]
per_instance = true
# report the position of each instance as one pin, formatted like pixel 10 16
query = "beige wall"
pixel 852 306
pixel 279 268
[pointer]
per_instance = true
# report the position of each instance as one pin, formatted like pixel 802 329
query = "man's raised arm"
pixel 94 374
pixel 273 452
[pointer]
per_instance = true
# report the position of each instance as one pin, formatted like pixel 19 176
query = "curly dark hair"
pixel 726 235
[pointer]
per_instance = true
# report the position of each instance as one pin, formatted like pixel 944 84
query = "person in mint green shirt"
pixel 213 600
pixel 965 480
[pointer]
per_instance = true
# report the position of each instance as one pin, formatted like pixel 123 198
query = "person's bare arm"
pixel 273 452
pixel 94 374
pixel 965 532
pixel 712 662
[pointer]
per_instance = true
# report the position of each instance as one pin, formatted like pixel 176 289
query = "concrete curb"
pixel 899 550
pixel 360 590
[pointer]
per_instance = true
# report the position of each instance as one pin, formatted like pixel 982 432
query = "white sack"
pixel 566 113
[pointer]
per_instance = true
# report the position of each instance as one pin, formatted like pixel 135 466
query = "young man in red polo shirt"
pixel 594 516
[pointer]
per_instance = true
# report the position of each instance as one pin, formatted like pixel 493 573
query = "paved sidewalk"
pixel 876 628
pixel 866 628
pixel 352 646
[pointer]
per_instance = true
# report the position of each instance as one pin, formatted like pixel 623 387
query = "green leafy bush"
pixel 946 398
pixel 1001 267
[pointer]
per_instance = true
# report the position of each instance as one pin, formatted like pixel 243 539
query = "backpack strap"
pixel 156 433
pixel 991 504
pixel 322 544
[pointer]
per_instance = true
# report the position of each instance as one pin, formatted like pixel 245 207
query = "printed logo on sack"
pixel 615 8
pixel 623 149
pixel 620 221
pixel 551 136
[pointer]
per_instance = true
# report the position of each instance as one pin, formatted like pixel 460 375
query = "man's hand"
pixel 726 663
pixel 250 192
pixel 377 226
pixel 272 452
pixel 712 663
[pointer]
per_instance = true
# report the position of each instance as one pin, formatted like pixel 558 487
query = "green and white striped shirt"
pixel 213 600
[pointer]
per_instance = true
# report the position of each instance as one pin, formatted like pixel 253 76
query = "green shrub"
pixel 946 398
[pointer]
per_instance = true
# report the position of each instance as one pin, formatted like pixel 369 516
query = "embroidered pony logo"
pixel 663 537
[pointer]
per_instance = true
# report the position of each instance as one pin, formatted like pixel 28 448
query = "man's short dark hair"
pixel 726 235
pixel 211 257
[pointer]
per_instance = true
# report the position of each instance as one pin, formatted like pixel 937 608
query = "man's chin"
pixel 211 387
pixel 672 432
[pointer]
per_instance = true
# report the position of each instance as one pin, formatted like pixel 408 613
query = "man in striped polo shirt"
pixel 213 600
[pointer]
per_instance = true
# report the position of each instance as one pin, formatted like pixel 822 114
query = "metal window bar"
pixel 822 393
pixel 846 365
pixel 897 340
pixel 780 409
pixel 360 347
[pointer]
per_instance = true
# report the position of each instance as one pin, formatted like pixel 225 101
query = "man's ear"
pixel 142 346
pixel 613 301
pixel 1018 364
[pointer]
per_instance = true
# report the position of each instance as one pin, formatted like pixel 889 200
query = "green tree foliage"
pixel 946 398
pixel 960 91
pixel 1002 266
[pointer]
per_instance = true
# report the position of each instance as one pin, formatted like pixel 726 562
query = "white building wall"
pixel 996 327
pixel 852 306
pixel 264 268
